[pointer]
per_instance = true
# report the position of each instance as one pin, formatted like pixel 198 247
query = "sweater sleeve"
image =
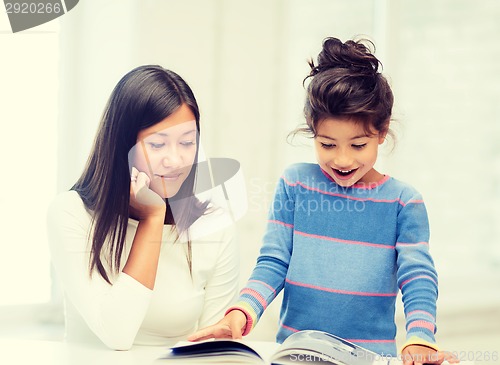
pixel 268 276
pixel 221 289
pixel 113 313
pixel 417 277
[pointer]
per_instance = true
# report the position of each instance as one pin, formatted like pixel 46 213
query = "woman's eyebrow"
pixel 164 134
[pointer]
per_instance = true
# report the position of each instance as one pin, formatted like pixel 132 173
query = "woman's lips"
pixel 344 174
pixel 170 177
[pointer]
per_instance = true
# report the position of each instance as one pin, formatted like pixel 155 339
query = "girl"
pixel 343 238
pixel 141 259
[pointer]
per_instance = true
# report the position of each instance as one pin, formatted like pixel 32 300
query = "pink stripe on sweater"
pixel 263 283
pixel 289 328
pixel 256 295
pixel 348 196
pixel 427 277
pixel 279 222
pixel 411 244
pixel 425 313
pixel 288 182
pixel 397 200
pixel 422 324
pixel 378 245
pixel 360 185
pixel 349 339
pixel 339 291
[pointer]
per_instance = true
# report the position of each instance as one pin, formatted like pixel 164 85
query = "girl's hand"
pixel 419 355
pixel 231 326
pixel 144 203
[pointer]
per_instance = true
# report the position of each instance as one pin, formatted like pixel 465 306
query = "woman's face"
pixel 166 151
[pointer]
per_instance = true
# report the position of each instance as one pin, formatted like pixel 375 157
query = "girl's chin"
pixel 345 183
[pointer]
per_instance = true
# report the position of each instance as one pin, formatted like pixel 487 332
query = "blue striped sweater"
pixel 341 255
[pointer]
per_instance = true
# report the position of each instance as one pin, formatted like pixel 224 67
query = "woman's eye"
pixel 156 146
pixel 359 146
pixel 188 143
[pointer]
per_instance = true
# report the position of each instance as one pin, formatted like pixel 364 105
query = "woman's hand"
pixel 419 355
pixel 231 326
pixel 144 203
pixel 149 208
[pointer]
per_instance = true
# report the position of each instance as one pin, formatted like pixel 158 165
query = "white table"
pixel 26 352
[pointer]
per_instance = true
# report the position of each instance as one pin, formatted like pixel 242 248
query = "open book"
pixel 311 347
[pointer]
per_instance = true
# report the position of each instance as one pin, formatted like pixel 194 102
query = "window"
pixel 29 67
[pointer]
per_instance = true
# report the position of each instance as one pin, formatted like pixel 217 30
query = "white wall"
pixel 245 61
pixel 28 127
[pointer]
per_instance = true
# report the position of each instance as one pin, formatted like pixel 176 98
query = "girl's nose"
pixel 342 160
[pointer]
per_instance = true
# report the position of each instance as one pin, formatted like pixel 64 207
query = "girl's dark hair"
pixel 346 83
pixel 143 97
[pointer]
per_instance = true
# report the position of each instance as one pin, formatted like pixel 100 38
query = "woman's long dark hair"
pixel 143 97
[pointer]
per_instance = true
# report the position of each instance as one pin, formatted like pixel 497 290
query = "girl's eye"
pixel 359 146
pixel 156 146
pixel 327 145
pixel 188 143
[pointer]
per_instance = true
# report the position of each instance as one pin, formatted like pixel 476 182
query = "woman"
pixel 141 259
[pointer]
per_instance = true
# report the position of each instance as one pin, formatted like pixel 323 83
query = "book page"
pixel 323 348
pixel 214 351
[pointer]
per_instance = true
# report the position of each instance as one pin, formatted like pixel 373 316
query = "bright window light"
pixel 28 115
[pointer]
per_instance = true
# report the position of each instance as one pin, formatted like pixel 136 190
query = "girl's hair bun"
pixel 346 83
pixel 351 55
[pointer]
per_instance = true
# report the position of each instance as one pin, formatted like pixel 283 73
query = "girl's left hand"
pixel 419 355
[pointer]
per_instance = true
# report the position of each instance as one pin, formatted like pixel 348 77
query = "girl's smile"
pixel 344 174
pixel 346 152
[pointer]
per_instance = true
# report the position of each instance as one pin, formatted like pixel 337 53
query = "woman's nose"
pixel 172 158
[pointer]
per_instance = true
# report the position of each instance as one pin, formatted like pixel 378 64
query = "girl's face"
pixel 346 153
pixel 166 151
